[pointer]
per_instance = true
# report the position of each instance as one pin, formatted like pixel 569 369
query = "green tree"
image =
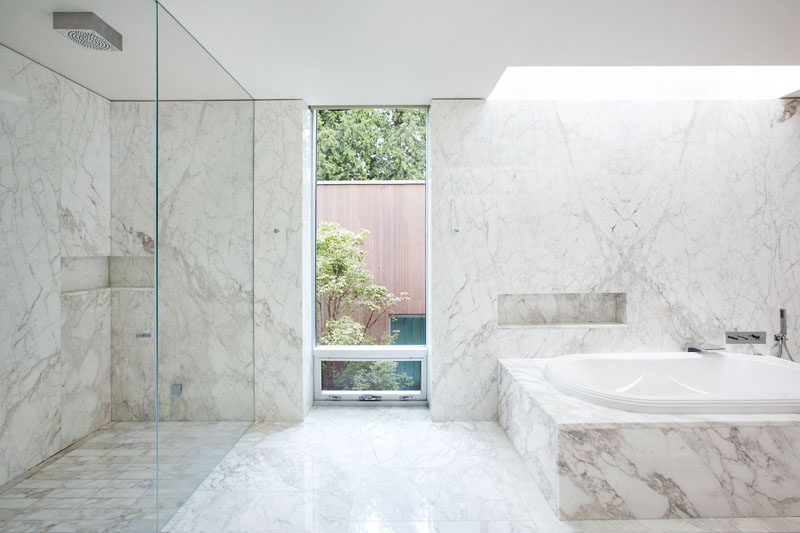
pixel 370 144
pixel 348 302
pixel 364 375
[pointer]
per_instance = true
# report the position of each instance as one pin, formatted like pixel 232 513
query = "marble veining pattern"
pixel 391 470
pixel 279 299
pixel 684 206
pixel 108 483
pixel 132 271
pixel 81 273
pixel 30 262
pixel 133 359
pixel 464 242
pixel 85 172
pixel 132 179
pixel 594 462
pixel 205 270
pixel 560 308
pixel 86 363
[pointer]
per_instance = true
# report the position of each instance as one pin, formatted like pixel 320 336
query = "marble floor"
pixel 345 469
pixel 390 469
pixel 108 482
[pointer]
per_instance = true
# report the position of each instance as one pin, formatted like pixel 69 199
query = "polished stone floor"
pixel 345 469
pixel 108 482
pixel 375 469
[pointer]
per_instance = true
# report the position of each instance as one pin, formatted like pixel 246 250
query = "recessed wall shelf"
pixel 542 310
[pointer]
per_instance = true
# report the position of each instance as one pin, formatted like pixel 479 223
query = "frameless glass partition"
pixel 126 253
pixel 204 251
pixel 77 175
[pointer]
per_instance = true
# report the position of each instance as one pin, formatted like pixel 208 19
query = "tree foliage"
pixel 348 302
pixel 365 375
pixel 370 144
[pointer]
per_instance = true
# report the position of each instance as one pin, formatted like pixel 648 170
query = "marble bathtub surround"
pixel 283 314
pixel 137 272
pixel 561 308
pixel 595 462
pixel 81 273
pixel 686 207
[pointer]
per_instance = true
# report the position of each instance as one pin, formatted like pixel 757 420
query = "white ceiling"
pixel 380 52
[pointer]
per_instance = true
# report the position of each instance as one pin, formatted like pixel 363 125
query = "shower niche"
pixel 562 309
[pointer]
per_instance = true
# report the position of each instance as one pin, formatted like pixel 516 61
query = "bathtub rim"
pixel 710 404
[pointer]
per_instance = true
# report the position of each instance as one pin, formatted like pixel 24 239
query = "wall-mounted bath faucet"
pixel 708 350
pixel 745 337
pixel 782 337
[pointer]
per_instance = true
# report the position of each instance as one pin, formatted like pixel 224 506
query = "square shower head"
pixel 87 30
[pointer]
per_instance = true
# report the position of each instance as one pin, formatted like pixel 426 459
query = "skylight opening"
pixel 648 83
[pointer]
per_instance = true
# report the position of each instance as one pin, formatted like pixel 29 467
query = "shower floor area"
pixel 107 482
pixel 344 469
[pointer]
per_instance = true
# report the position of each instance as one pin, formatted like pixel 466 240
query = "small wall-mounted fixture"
pixel 87 30
pixel 176 389
pixel 745 337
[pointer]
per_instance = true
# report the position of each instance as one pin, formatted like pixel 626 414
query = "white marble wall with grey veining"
pixel 133 359
pixel 684 206
pixel 132 271
pixel 85 172
pixel 30 263
pixel 281 349
pixel 561 308
pixel 132 179
pixel 205 263
pixel 464 250
pixel 594 462
pixel 85 363
pixel 79 273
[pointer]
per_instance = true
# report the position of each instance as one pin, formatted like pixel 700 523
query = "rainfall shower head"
pixel 88 30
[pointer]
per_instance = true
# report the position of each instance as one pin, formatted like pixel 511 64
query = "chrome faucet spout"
pixel 708 350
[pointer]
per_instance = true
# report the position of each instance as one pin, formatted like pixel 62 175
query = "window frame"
pixel 370 353
pixel 322 352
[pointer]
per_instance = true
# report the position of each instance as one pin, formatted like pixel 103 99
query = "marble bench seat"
pixel 595 462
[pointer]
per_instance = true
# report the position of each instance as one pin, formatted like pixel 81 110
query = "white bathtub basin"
pixel 680 382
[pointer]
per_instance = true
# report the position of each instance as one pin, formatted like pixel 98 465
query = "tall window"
pixel 370 251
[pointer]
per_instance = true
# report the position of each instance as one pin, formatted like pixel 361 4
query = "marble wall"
pixel 132 179
pixel 85 172
pixel 205 260
pixel 54 178
pixel 282 174
pixel 133 359
pixel 687 207
pixel 30 262
pixel 85 363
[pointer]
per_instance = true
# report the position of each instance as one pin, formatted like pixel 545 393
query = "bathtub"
pixel 680 382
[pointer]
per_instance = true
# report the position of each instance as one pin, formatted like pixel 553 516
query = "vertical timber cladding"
pixel 394 214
